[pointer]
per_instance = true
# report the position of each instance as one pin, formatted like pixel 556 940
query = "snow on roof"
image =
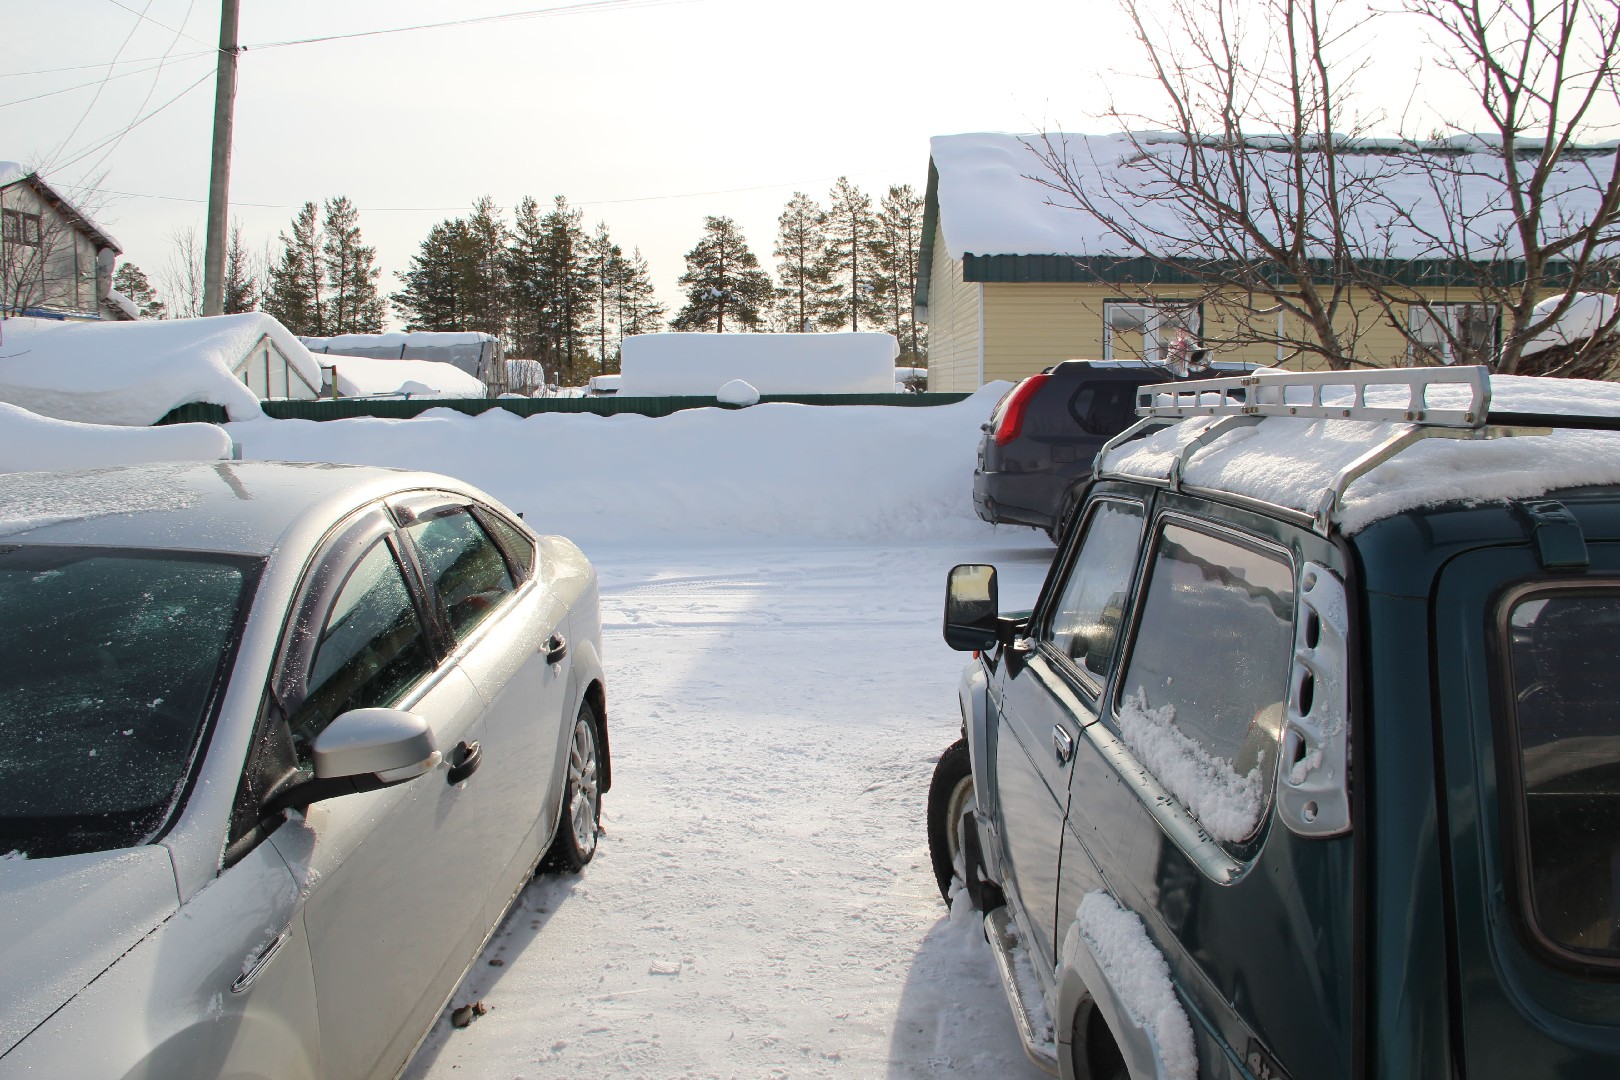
pixel 11 172
pixel 416 339
pixel 29 441
pixel 135 372
pixel 1290 462
pixel 123 303
pixel 995 194
pixel 699 364
pixel 364 376
pixel 1587 314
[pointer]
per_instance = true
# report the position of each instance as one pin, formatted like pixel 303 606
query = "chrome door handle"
pixel 1063 743
pixel 256 963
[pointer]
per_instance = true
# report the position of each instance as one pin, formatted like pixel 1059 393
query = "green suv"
pixel 1306 762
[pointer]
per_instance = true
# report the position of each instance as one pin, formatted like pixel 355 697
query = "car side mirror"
pixel 971 607
pixel 363 750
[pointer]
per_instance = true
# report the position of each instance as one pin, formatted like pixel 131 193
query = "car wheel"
pixel 1093 1053
pixel 580 824
pixel 950 798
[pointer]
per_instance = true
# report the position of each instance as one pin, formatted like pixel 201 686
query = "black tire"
pixel 580 822
pixel 1060 524
pixel 950 794
pixel 1093 1053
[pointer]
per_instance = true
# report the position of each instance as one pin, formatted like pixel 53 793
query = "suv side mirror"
pixel 363 750
pixel 971 607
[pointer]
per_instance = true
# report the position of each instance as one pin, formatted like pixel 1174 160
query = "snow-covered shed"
pixel 700 364
pixel 479 355
pixel 136 372
pixel 1015 278
pixel 367 376
pixel 55 262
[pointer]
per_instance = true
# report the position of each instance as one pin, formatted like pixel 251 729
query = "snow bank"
pixel 996 197
pixel 1588 313
pixel 1293 461
pixel 774 470
pixel 29 442
pixel 132 373
pixel 364 376
pixel 699 364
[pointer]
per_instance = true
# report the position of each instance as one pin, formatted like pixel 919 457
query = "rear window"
pixel 1565 680
pixel 113 658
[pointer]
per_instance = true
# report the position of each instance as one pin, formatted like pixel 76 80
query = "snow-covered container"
pixel 365 376
pixel 479 355
pixel 133 373
pixel 654 365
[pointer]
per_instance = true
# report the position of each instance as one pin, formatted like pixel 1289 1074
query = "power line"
pixel 144 16
pixel 149 91
pixel 133 124
pixel 514 16
pixel 95 82
pixel 60 147
pixel 111 64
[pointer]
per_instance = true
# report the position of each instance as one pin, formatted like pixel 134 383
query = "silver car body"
pixel 329 947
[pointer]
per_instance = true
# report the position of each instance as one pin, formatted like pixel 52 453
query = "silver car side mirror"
pixel 392 744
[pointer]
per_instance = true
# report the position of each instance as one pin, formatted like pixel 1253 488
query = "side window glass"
pixel 1202 698
pixel 464 565
pixel 518 547
pixel 1567 726
pixel 1089 612
pixel 371 648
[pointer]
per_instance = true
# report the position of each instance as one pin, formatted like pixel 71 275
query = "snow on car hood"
pixel 64 921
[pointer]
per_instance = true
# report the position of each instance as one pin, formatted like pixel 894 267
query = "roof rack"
pixel 1382 396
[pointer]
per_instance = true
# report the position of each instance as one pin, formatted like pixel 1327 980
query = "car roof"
pixel 242 507
pixel 1293 462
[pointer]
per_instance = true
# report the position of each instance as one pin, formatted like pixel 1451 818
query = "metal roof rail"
pixel 1398 395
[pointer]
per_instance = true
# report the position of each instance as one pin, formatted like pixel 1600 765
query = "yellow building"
pixel 1013 281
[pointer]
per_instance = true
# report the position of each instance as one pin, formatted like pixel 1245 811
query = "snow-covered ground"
pixel 762 903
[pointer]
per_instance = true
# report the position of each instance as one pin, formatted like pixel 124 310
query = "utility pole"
pixel 219 177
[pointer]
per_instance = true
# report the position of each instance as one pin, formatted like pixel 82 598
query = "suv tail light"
pixel 1009 415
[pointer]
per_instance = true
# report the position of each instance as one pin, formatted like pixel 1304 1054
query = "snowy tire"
pixel 579 825
pixel 950 797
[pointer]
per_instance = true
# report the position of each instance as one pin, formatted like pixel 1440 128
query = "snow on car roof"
pixel 1290 462
pixel 233 506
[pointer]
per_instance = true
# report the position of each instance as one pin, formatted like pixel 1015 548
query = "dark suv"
pixel 1039 442
pixel 1306 762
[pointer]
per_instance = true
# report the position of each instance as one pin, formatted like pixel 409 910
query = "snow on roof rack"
pixel 1460 409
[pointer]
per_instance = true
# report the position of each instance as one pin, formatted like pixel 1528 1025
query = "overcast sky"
pixel 648 115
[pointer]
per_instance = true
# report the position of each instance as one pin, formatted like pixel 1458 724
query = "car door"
pixel 1049 693
pixel 394 879
pixel 507 631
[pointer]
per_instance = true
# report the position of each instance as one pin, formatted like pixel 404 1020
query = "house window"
pixel 21 228
pixel 1135 330
pixel 1448 333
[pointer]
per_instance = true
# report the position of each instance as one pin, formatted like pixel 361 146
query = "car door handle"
pixel 556 649
pixel 1063 743
pixel 468 757
pixel 256 962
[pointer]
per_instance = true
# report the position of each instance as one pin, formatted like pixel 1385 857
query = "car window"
pixel 1104 408
pixel 1566 686
pixel 1201 701
pixel 112 658
pixel 1090 610
pixel 464 565
pixel 371 650
pixel 514 541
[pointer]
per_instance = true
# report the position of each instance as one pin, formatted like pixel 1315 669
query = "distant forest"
pixel 562 297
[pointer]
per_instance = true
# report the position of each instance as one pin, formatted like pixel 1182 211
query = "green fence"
pixel 347 408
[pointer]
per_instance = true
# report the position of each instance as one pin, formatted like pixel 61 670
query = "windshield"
pixel 114 657
pixel 1566 694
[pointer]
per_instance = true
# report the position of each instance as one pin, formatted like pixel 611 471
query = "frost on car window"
pixel 465 567
pixel 113 658
pixel 1208 673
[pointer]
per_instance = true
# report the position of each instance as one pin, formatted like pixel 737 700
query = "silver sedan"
pixel 279 746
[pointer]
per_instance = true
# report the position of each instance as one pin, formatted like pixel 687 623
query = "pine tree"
pixel 295 296
pixel 524 255
pixel 636 309
pixel 565 286
pixel 132 282
pixel 483 268
pixel 351 273
pixel 722 280
pixel 433 295
pixel 800 264
pixel 900 218
pixel 241 286
pixel 604 266
pixel 851 261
